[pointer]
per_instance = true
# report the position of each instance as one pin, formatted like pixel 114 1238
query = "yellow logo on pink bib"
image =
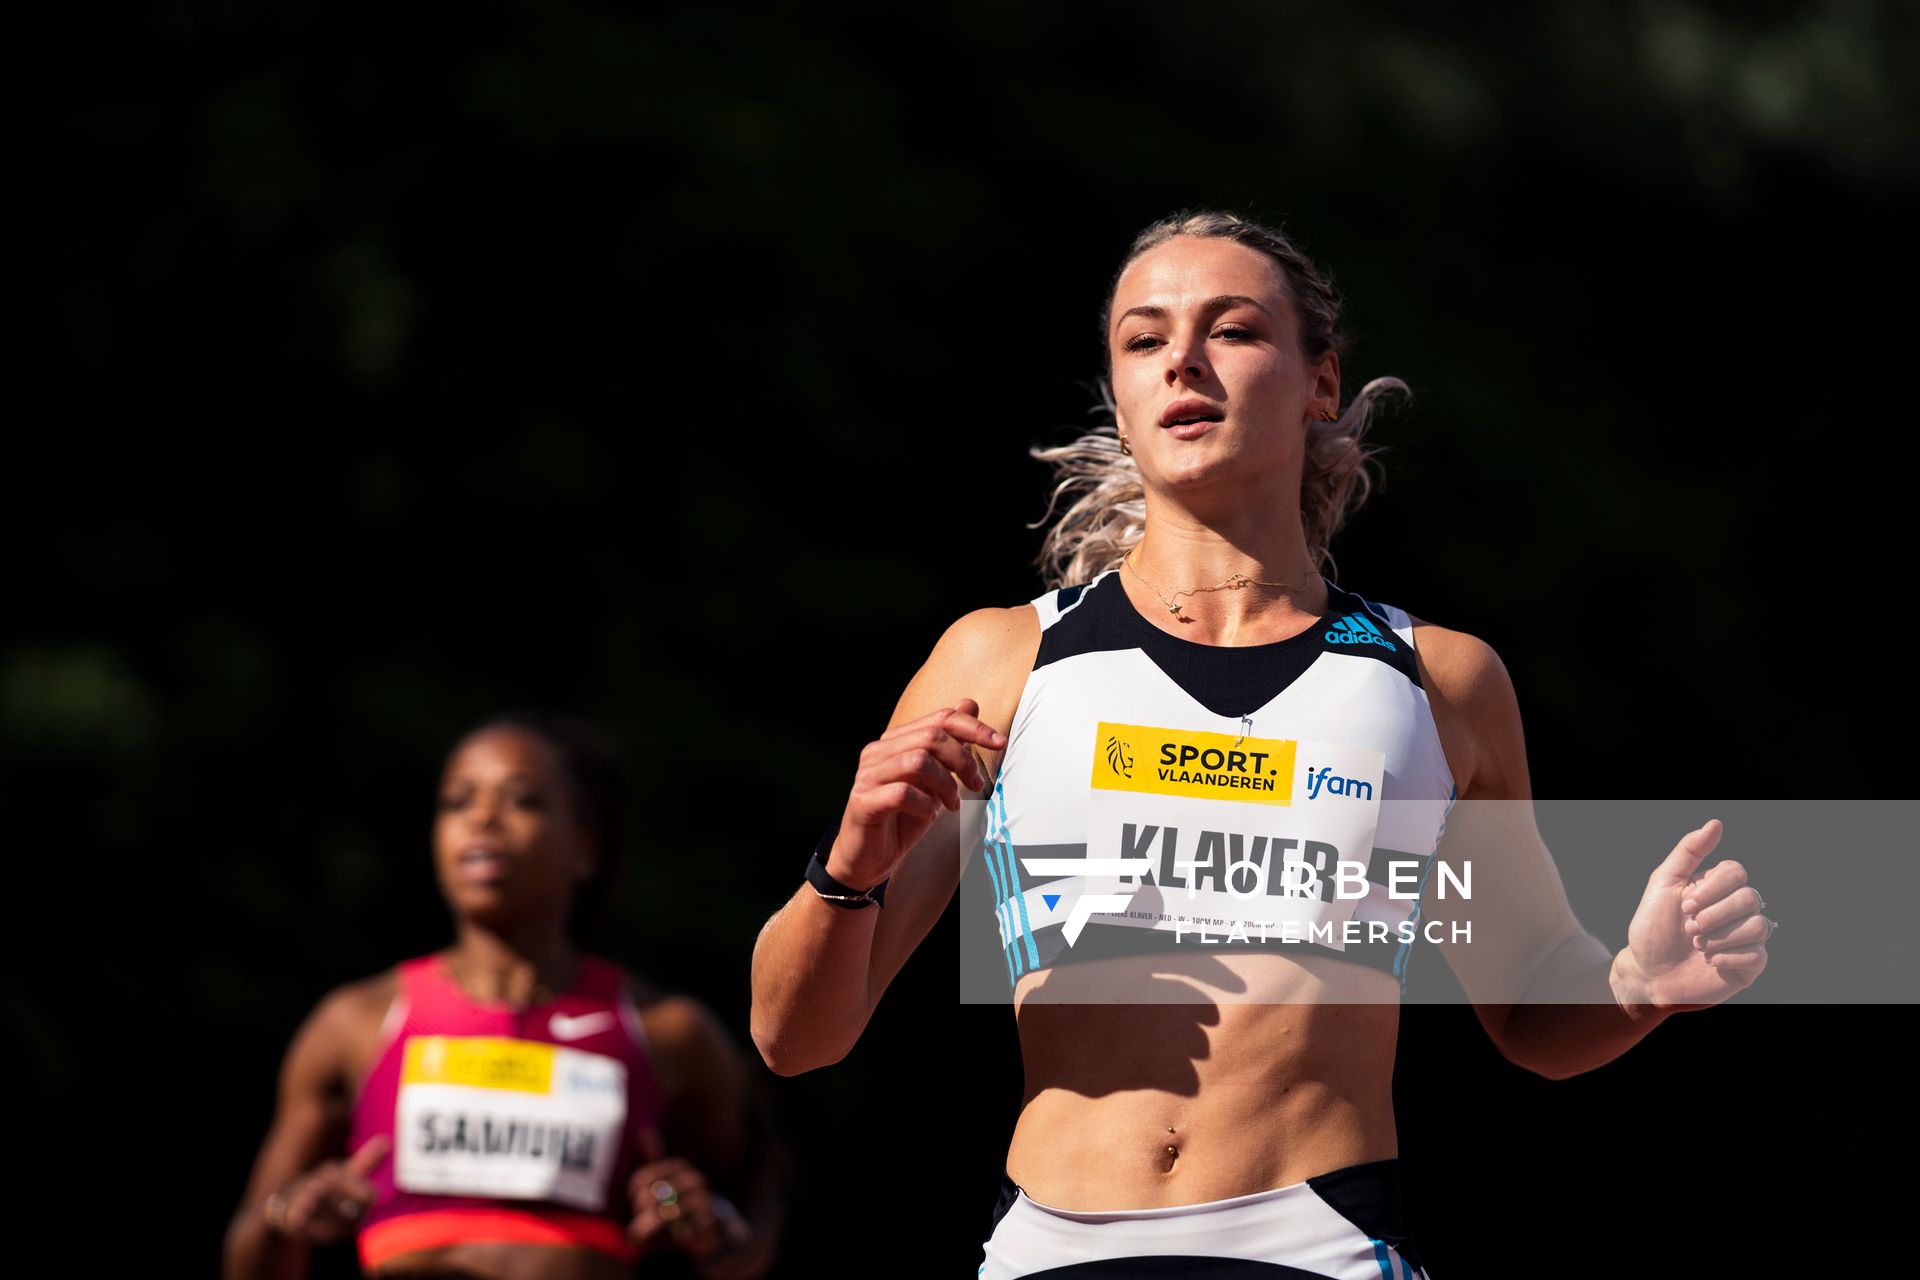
pixel 481 1062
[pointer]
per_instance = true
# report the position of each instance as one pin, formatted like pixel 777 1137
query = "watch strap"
pixel 832 890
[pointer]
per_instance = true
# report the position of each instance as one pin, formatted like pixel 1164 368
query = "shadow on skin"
pixel 1153 1014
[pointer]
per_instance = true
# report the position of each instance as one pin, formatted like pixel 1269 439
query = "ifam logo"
pixel 1325 779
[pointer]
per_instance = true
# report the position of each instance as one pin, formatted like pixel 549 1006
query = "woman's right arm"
pixel 819 970
pixel 278 1222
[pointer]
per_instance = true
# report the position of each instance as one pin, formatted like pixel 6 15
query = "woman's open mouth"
pixel 1191 430
pixel 482 866
pixel 1186 419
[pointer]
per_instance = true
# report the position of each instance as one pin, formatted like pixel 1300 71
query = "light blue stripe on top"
pixel 1009 951
pixel 1026 926
pixel 1419 903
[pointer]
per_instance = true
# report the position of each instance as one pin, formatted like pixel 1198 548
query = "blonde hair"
pixel 1106 507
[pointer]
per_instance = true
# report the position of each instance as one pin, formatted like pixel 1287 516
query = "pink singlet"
pixel 507 1128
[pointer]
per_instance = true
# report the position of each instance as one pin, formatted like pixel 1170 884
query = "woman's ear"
pixel 1125 433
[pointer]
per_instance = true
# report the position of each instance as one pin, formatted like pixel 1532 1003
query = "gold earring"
pixel 1328 415
pixel 1125 447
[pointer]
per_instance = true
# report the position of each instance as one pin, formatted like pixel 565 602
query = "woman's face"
pixel 507 844
pixel 1207 372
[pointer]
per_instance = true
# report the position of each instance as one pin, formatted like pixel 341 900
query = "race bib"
pixel 518 1119
pixel 1272 836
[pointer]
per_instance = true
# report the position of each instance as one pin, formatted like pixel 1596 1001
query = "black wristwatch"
pixel 832 890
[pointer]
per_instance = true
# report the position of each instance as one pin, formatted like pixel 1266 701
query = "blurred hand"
pixel 673 1206
pixel 326 1203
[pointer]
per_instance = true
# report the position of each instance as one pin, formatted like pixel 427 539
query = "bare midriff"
pixel 1254 1071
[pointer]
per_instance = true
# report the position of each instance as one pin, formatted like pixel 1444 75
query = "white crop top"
pixel 1239 780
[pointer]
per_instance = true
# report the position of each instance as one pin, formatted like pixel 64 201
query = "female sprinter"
pixel 1230 1112
pixel 509 1107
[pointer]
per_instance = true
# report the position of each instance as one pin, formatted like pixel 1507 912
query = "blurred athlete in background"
pixel 510 1108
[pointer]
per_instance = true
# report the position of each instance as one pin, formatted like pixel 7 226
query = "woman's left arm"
pixel 717 1133
pixel 1550 994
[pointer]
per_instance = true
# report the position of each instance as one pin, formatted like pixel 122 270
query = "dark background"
pixel 378 370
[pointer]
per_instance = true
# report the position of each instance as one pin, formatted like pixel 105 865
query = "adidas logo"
pixel 1358 628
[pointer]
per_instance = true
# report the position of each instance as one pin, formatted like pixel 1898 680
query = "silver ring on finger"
pixel 349 1208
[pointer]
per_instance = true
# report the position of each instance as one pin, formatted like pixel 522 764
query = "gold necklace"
pixel 1234 582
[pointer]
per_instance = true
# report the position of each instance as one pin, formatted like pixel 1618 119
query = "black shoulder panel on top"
pixel 1229 680
pixel 1400 657
pixel 1079 631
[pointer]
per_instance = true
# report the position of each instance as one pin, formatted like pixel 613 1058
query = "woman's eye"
pixel 452 804
pixel 1143 342
pixel 1234 333
pixel 528 802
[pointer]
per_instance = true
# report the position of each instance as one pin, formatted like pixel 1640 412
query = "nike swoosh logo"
pixel 565 1028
